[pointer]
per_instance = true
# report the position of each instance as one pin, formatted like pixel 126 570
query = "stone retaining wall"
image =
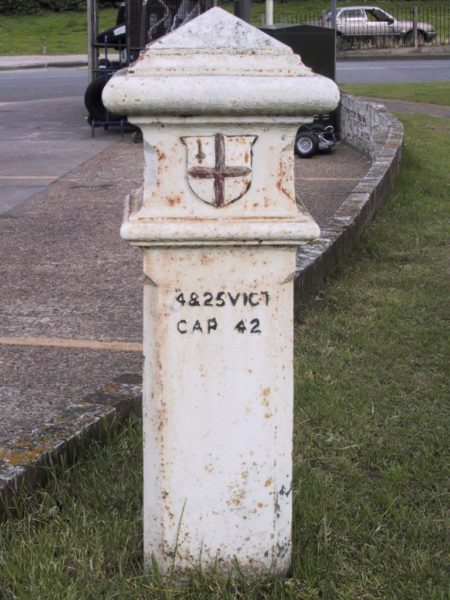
pixel 371 129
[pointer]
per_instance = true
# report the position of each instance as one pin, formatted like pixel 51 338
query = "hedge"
pixel 26 7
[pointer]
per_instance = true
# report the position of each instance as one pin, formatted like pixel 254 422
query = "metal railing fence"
pixel 412 26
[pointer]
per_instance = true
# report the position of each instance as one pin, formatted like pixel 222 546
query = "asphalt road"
pixel 395 71
pixel 39 84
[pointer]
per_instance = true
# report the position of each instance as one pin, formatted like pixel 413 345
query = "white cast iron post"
pixel 219 103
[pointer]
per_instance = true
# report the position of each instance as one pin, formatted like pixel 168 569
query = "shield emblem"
pixel 219 167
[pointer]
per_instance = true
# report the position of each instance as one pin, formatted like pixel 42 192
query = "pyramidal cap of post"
pixel 217 64
pixel 219 103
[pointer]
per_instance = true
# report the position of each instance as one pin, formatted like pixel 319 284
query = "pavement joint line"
pixel 31 177
pixel 71 343
pixel 327 178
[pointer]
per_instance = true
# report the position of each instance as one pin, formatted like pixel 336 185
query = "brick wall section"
pixel 369 128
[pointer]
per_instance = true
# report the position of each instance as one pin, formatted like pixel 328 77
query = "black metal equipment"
pixel 317 48
pixel 316 45
pixel 138 22
pixel 241 9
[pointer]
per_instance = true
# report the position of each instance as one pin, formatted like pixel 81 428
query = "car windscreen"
pixel 375 14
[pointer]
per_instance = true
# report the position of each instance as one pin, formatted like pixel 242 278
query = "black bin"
pixel 317 48
pixel 316 45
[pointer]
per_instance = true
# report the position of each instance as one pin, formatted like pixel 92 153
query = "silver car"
pixel 371 22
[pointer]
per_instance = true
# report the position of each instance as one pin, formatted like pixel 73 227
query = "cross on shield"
pixel 219 167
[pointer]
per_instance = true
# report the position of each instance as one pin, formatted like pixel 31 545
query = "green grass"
pixel 371 499
pixel 433 92
pixel 59 33
pixel 372 389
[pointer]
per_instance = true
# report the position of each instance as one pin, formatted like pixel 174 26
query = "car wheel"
pixel 409 39
pixel 94 104
pixel 341 43
pixel 104 63
pixel 420 38
pixel 306 144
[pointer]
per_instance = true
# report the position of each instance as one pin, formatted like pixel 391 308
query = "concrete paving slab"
pixel 14 192
pixel 40 384
pixel 41 140
pixel 323 181
pixel 68 273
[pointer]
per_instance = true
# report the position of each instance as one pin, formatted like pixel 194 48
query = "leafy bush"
pixel 62 5
pixel 12 7
pixel 26 7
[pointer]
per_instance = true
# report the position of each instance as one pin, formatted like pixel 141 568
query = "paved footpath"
pixel 38 61
pixel 70 310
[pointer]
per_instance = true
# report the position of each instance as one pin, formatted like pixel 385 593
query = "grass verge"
pixel 371 438
pixel 48 32
pixel 372 394
pixel 432 92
